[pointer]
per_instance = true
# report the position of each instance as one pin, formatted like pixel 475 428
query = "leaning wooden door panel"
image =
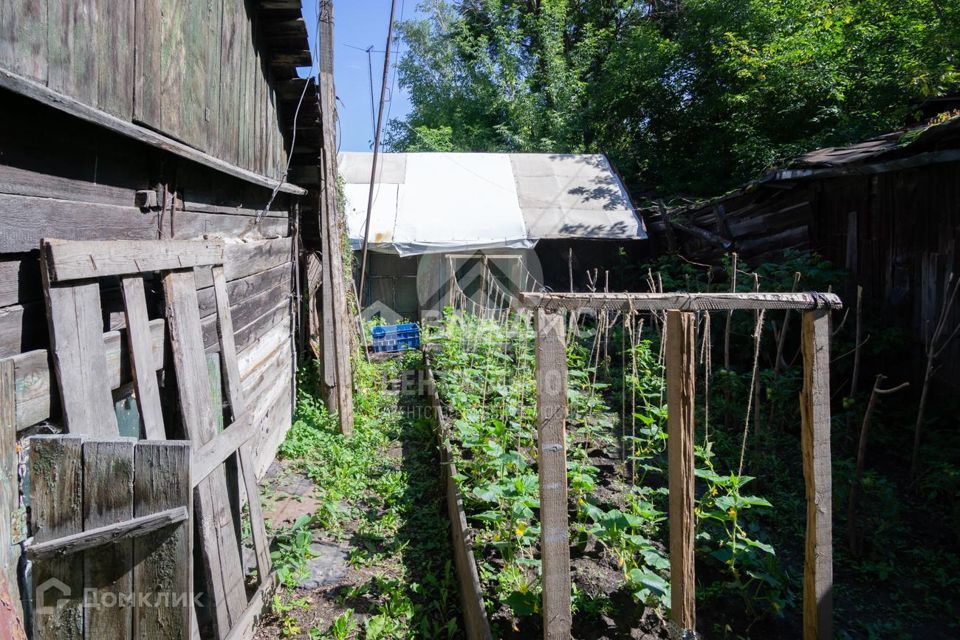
pixel 220 548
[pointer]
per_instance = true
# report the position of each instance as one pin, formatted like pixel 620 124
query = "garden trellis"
pixel 680 362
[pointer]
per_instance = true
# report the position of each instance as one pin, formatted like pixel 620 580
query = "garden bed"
pixel 468 579
pixel 616 461
pixel 618 566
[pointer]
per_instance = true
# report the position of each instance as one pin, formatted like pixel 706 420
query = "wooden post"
pixel 815 431
pixel 551 435
pixel 142 367
pixel 337 340
pixel 681 365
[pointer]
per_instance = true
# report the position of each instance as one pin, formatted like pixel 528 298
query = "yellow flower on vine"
pixel 521 528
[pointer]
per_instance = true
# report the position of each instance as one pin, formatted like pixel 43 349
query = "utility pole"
pixel 376 154
pixel 373 114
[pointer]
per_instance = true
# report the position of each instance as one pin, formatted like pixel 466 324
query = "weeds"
pixel 378 493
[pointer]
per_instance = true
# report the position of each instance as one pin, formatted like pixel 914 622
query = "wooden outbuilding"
pixel 169 120
pixel 887 210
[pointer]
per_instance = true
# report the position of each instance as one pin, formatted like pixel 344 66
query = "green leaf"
pixel 522 603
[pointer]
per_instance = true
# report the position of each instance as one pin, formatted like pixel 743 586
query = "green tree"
pixel 689 96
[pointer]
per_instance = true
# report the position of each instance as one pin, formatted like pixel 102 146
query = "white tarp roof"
pixel 438 202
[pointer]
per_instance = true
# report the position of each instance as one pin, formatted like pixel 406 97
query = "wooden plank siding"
pixel 171 104
pixel 188 68
pixel 896 233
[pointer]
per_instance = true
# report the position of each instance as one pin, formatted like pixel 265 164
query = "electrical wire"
pixel 314 64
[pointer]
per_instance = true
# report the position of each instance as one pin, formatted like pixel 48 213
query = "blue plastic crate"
pixel 396 337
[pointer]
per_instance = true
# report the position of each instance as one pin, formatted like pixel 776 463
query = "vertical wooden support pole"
pixel 551 435
pixel 334 281
pixel 815 432
pixel 681 365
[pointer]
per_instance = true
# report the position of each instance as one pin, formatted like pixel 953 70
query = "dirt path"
pixel 362 542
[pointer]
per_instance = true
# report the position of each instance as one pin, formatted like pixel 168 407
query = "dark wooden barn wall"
pixel 192 69
pixel 897 234
pixel 60 177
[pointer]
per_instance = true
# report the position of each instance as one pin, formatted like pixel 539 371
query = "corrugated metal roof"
pixel 430 202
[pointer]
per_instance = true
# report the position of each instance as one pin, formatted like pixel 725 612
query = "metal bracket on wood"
pixel 146 199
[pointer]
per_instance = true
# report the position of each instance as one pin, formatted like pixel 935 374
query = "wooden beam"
pixel 75 322
pixel 337 343
pixel 9 500
pixel 142 366
pixel 246 624
pixel 707 236
pixel 36 91
pixel 74 260
pixel 225 444
pixel 24 220
pixel 56 512
pixel 93 538
pixel 815 441
pixel 680 301
pixel 238 406
pixel 552 462
pixel 164 562
pixel 35 399
pixel 865 168
pixel 681 367
pixel 220 547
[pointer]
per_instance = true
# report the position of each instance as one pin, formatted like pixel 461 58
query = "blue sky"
pixel 358 25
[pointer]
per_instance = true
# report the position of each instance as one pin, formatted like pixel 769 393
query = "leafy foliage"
pixel 485 375
pixel 377 490
pixel 690 96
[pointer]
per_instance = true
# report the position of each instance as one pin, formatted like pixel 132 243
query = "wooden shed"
pixel 887 210
pixel 167 120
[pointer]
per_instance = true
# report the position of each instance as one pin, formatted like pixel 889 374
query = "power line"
pixel 376 152
pixel 364 49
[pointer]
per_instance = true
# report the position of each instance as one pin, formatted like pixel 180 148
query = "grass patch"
pixel 379 495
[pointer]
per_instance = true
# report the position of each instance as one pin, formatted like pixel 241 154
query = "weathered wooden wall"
pixel 896 233
pixel 145 120
pixel 196 70
pixel 64 178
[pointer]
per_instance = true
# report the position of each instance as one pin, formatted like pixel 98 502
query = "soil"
pixel 348 575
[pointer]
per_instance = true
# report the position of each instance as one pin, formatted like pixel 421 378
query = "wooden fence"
pixel 551 375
